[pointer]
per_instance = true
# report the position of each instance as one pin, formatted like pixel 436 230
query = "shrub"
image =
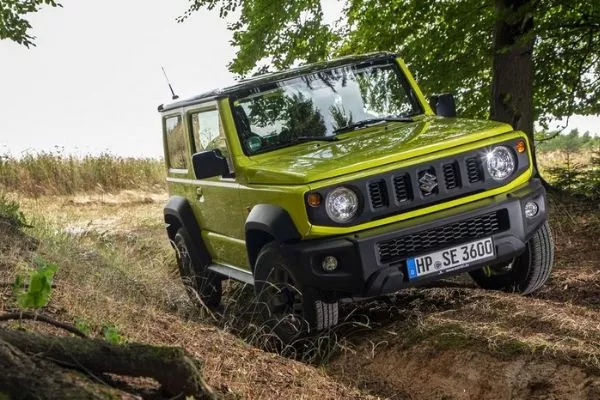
pixel 10 213
pixel 578 178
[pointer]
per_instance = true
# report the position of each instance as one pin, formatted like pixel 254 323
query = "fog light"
pixel 329 264
pixel 531 209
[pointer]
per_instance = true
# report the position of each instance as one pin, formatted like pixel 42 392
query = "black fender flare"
pixel 267 223
pixel 178 212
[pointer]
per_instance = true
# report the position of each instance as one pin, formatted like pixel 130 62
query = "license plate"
pixel 450 259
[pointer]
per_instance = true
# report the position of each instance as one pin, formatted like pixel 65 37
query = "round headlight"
pixel 501 163
pixel 341 205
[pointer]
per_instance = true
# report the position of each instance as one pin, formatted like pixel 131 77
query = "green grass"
pixel 54 173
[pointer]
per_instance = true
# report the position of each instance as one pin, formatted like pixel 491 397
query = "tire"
pixel 289 309
pixel 524 274
pixel 202 286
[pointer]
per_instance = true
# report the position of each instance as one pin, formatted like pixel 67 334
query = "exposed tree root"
pixel 42 318
pixel 40 366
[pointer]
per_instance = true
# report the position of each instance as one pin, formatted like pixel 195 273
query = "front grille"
pixel 432 183
pixel 402 188
pixel 413 244
pixel 451 175
pixel 378 194
pixel 474 171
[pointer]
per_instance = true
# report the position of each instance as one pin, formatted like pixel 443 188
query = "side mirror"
pixel 209 163
pixel 443 104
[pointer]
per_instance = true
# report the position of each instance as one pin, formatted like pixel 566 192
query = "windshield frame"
pixel 404 81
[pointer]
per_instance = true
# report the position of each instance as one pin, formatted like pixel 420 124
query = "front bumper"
pixel 373 262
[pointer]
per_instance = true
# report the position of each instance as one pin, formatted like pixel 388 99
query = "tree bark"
pixel 24 377
pixel 513 73
pixel 178 373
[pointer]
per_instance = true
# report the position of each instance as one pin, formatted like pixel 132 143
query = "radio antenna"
pixel 174 96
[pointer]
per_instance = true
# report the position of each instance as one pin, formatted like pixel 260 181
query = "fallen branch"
pixel 178 373
pixel 42 318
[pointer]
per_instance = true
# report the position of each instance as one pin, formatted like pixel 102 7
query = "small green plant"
pixel 83 326
pixel 10 212
pixel 111 334
pixel 37 293
pixel 578 179
pixel 567 177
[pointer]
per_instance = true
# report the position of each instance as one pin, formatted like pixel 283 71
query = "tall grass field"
pixel 53 173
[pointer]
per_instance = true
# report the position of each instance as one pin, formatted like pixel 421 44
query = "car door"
pixel 216 200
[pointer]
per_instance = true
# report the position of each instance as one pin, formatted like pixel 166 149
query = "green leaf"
pixel 38 291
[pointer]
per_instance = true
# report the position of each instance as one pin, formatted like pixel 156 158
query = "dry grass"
pixel 53 173
pixel 115 268
pixel 559 158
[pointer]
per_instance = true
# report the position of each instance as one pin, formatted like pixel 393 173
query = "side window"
pixel 176 148
pixel 208 133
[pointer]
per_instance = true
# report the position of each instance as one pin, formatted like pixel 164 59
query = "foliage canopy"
pixel 449 43
pixel 13 24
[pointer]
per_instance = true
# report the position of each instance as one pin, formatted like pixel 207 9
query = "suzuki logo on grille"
pixel 428 183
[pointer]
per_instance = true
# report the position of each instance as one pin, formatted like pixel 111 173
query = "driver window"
pixel 208 133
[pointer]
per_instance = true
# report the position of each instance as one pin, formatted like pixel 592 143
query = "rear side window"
pixel 176 148
pixel 208 133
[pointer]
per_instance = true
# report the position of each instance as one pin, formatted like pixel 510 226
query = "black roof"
pixel 276 76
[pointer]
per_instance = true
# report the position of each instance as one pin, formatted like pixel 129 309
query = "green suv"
pixel 338 180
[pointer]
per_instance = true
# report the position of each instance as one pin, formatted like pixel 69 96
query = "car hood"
pixel 367 148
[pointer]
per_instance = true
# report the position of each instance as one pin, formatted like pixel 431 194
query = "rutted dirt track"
pixel 426 373
pixel 448 342
pixel 459 342
pixel 452 359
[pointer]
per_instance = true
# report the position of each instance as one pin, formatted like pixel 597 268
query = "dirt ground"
pixel 459 342
pixel 452 341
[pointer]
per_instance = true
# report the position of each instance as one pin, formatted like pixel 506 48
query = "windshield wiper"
pixel 371 121
pixel 299 139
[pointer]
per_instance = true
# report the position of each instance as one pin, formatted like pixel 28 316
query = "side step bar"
pixel 230 272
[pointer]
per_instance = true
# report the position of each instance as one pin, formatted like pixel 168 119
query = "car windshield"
pixel 316 105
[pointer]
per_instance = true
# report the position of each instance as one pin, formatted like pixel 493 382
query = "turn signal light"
pixel 520 146
pixel 314 199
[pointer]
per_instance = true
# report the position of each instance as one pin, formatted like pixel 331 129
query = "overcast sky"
pixel 93 81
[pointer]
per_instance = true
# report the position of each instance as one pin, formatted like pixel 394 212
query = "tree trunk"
pixel 178 373
pixel 512 80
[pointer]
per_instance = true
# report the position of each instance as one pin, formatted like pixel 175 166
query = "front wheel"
pixel 289 309
pixel 524 274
